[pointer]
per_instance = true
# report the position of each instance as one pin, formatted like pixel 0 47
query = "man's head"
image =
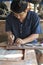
pixel 18 6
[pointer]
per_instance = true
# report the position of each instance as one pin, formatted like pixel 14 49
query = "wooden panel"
pixel 12 63
pixel 30 56
pixel 41 59
pixel 2 26
pixel 30 61
pixel 41 23
pixel 10 55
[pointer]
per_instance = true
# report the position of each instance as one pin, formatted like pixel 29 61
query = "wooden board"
pixel 24 47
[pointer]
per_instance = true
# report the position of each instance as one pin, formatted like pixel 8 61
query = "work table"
pixel 29 55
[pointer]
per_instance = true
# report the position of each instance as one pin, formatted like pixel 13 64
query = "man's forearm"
pixel 31 38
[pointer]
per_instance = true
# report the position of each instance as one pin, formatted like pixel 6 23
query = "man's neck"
pixel 22 19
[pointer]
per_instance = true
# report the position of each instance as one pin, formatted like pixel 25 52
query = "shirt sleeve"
pixel 36 27
pixel 8 24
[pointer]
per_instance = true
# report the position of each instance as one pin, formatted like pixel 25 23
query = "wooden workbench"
pixel 28 58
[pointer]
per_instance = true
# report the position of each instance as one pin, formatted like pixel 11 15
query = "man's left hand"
pixel 19 41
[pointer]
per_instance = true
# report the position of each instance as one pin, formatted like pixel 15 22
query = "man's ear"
pixel 28 7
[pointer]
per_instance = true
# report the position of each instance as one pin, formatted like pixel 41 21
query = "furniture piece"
pixel 27 51
pixel 28 58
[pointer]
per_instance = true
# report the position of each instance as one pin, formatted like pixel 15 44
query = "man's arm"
pixel 28 39
pixel 31 38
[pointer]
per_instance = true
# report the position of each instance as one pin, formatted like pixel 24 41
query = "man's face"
pixel 21 15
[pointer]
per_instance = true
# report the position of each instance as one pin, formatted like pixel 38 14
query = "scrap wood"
pixel 3 44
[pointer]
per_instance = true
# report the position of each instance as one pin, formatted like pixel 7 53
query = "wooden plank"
pixel 12 63
pixel 31 60
pixel 41 59
pixel 3 44
pixel 30 56
pixel 24 47
pixel 2 26
pixel 10 55
pixel 37 46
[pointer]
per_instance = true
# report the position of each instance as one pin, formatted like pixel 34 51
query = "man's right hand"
pixel 11 38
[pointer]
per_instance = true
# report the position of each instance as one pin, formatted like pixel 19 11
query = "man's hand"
pixel 19 41
pixel 11 38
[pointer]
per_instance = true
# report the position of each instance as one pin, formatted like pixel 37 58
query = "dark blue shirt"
pixel 29 26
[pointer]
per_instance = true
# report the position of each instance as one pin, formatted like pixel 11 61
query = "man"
pixel 22 25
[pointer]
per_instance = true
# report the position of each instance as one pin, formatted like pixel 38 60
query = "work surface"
pixel 25 46
pixel 14 57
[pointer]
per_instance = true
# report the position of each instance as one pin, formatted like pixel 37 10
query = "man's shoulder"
pixel 32 13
